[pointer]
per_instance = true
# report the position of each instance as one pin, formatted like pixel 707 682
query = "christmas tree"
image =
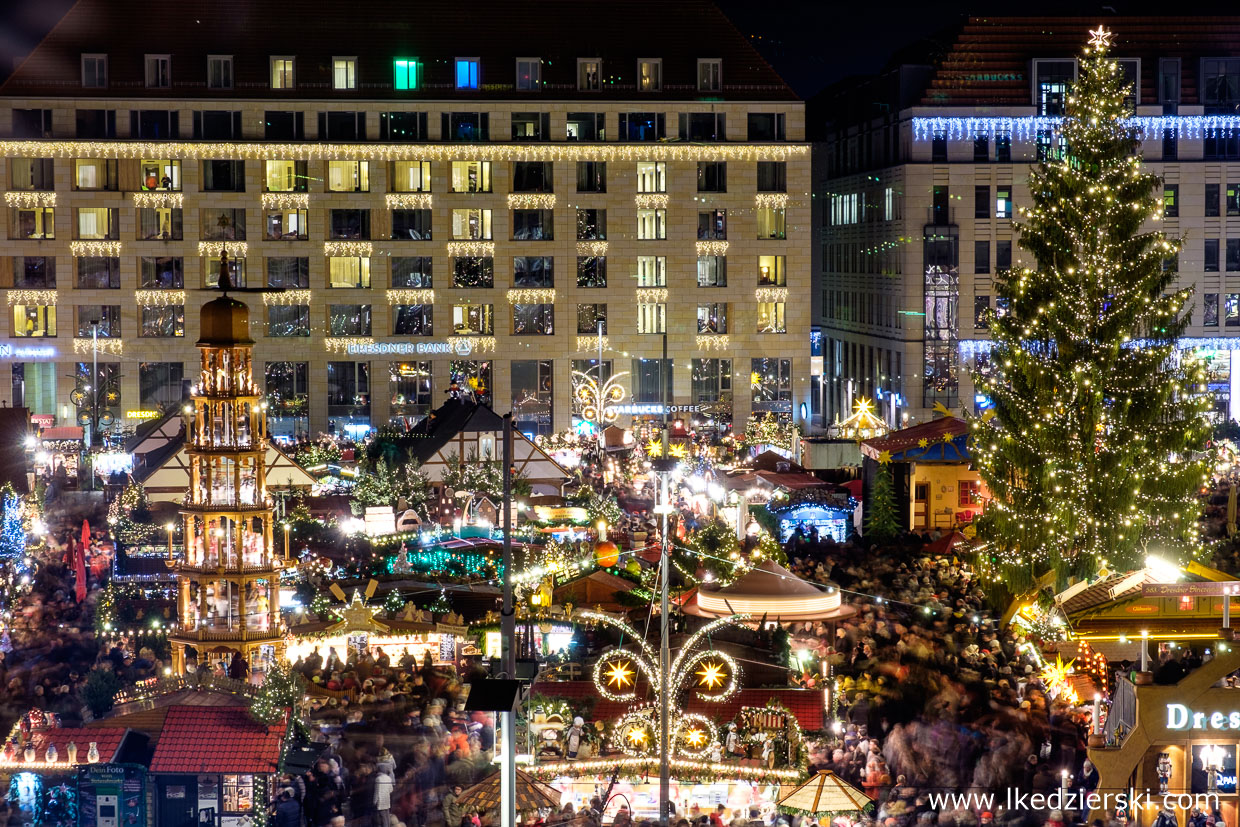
pixel 1089 448
pixel 12 535
pixel 881 521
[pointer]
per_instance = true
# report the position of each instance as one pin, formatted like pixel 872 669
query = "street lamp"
pixel 170 527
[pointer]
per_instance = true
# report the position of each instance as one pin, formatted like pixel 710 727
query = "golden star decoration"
pixel 711 675
pixel 1100 38
pixel 923 443
pixel 620 675
pixel 884 457
pixel 695 737
pixel 637 737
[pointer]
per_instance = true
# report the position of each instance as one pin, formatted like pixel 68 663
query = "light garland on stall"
pixel 408 200
pixel 300 295
pixel 407 296
pixel 712 248
pixel 159 298
pixel 30 199
pixel 285 200
pixel 348 249
pixel 213 249
pixel 651 295
pixel 714 341
pixel 173 200
pixel 650 201
pixel 641 765
pixel 531 200
pixel 471 249
pixel 771 294
pixel 574 151
pixel 27 298
pixel 474 344
pixel 591 248
pixel 532 295
pixel 93 249
pixel 112 347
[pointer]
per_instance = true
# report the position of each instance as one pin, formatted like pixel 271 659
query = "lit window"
pixel 529 74
pixel 1187 603
pixel 710 71
pixel 650 74
pixel 348 271
pixel 652 224
pixel 344 73
pixel 1003 202
pixel 282 72
pixel 589 74
pixel 970 493
pixel 772 222
pixel 467 73
pixel 771 271
pixel 652 271
pixel 95 71
pixel 348 176
pixel 158 71
pixel 471 176
pixel 34 321
pixel 219 72
pixel 651 176
pixel 471 224
pixel 285 176
pixel 652 318
pixel 160 175
pixel 406 73
pixel 411 176
pixel 473 319
pixel 771 317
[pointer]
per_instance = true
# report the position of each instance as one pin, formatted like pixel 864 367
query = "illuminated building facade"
pixel 915 198
pixel 457 200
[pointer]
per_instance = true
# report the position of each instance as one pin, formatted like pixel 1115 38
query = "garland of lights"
pixel 342 344
pixel 649 201
pixel 693 735
pixel 30 199
pixel 348 249
pixel 285 200
pixel 712 341
pixel 592 248
pixel 112 347
pixel 159 298
pixel 1146 127
pixel 95 249
pixel 401 296
pixel 472 344
pixel 213 249
pixel 598 405
pixel 771 200
pixel 471 249
pixel 651 295
pixel 771 294
pixel 532 295
pixel 408 201
pixel 173 200
pixel 685 768
pixel 288 297
pixel 589 343
pixel 531 200
pixel 712 248
pixel 32 297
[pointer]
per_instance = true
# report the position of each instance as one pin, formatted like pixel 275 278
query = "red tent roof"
pixel 805 704
pixel 205 739
pixel 107 740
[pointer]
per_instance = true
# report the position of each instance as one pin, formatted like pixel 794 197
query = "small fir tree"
pixel 881 522
pixel 12 534
pixel 1090 452
pixel 282 690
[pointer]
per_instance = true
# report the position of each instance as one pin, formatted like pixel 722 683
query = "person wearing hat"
pixel 572 740
pixel 287 811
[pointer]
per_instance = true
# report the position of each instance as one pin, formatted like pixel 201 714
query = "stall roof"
pixel 199 739
pixel 107 740
pixel 63 432
pixel 939 440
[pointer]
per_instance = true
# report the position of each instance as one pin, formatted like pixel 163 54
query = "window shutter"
pixel 322 126
pixel 445 127
pixel 544 126
pixel 6 271
pixel 381 226
pixel 133 123
pixel 236 125
pixel 130 178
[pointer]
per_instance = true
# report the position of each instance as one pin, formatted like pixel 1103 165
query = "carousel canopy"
pixel 532 794
pixel 825 794
pixel 768 589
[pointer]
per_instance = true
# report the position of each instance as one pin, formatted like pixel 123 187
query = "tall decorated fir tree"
pixel 882 521
pixel 1090 451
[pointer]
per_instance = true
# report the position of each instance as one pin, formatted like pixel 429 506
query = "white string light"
pixel 40 298
pixel 30 199
pixel 173 200
pixel 408 201
pixel 403 296
pixel 285 200
pixel 87 249
pixel 159 298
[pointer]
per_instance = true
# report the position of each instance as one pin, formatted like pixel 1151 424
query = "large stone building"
pixel 452 194
pixel 919 171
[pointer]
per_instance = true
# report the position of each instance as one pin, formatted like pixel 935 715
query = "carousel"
pixel 770 593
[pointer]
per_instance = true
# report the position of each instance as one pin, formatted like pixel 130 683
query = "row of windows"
pixel 408 73
pixel 471 125
pixel 168 272
pixel 102 174
pixel 345 320
pixel 166 224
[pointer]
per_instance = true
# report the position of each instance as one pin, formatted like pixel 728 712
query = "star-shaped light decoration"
pixel 637 737
pixel 923 442
pixel 1100 38
pixel 884 457
pixel 712 675
pixel 620 674
pixel 695 737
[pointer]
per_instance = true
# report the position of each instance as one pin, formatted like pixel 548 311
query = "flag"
pixel 79 571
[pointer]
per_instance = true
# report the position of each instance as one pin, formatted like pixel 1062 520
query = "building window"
pixel 1212 200
pixel 162 175
pixel 473 320
pixel 288 271
pixel 473 224
pixel 282 72
pixel 709 74
pixel 770 382
pixel 981 256
pixel 222 224
pixel 465 126
pixel 95 71
pixel 348 394
pixel 158 71
pixel 1003 147
pixel 287 395
pixel 34 321
pixel 219 71
pixel 163 322
pixel 467 73
pixel 34 272
pixel 532 176
pixel 411 225
pixel 106 316
pixel 284 126
pixel 772 223
pixel 160 384
pixel 712 225
pixel 652 271
pixel 761 126
pixel 411 389
pixel 1171 200
pixel 771 271
pixel 287 225
pixel 348 320
pixel 36 223
pixel 348 176
pixel 531 126
pixel 95 123
pixel 94 174
pixel 772 176
pixel 406 74
pixel 712 318
pixel 652 380
pixel 344 73
pixel 223 176
pixel 591 271
pixel 711 382
pixel 591 176
pixel 649 74
pixel 1003 202
pixel 652 224
pixel 712 176
pixel 712 271
pixel 211 271
pixel 589 74
pixel 412 320
pixel 31 174
pixel 348 271
pixel 1209 314
pixel 533 319
pixel 981 149
pixel 410 176
pixel 1231 310
pixel 32 123
pixel 585 126
pixel 98 223
pixel 938 146
pixel 591 319
pixel 348 225
pixel 533 271
pixel 288 320
pixel 651 177
pixel 529 74
pixel 1003 254
pixel 1052 80
pixel 981 202
pixel 411 271
pixel 1233 255
pixel 473 271
pixel 652 317
pixel 1210 257
pixel 642 126
pixel 771 318
pixel 591 225
pixel 1170 145
pixel 98 273
pixel 531 396
pixel 533 225
pixel 471 176
pixel 285 176
pixel 159 223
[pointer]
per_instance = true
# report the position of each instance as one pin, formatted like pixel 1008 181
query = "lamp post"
pixel 170 527
pixel 601 445
pixel 286 541
pixel 508 630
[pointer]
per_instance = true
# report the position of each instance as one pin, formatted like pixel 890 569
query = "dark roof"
pixel 378 31
pixel 198 739
pixel 989 62
pixel 940 440
pixel 453 417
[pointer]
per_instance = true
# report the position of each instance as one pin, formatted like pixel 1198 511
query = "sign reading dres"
pixel 1181 717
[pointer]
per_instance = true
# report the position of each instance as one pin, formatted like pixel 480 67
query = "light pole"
pixel 170 527
pixel 508 631
pixel 599 417
pixel 94 397
pixel 286 541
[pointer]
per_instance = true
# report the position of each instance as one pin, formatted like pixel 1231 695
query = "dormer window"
pixel 529 74
pixel 710 74
pixel 344 73
pixel 589 74
pixel 95 71
pixel 158 71
pixel 649 74
pixel 283 71
pixel 467 73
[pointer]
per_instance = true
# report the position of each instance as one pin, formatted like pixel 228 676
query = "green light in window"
pixel 407 73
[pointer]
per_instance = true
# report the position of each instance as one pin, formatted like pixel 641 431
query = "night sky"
pixel 811 43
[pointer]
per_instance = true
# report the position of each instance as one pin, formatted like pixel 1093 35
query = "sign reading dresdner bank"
pixel 1181 717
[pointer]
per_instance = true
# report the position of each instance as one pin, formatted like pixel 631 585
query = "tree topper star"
pixel 1100 38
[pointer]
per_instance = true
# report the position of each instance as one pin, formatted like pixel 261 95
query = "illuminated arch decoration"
pixel 598 404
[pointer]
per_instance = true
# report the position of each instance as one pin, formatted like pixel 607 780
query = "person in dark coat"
pixel 238 670
pixel 287 810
